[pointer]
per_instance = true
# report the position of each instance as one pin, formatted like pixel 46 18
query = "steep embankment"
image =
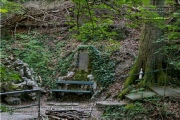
pixel 42 37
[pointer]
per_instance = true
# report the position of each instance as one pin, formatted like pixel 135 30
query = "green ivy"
pixel 30 49
pixel 4 108
pixel 8 74
pixel 102 67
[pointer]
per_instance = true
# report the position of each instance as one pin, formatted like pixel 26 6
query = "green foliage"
pixel 102 67
pixel 173 51
pixel 138 110
pixel 4 108
pixel 81 75
pixel 113 113
pixel 10 7
pixel 96 32
pixel 93 26
pixel 135 108
pixel 124 92
pixel 33 53
pixel 130 111
pixel 31 50
pixel 7 74
pixel 65 63
pixel 110 47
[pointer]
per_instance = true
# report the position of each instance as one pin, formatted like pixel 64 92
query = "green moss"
pixel 144 83
pixel 108 95
pixel 81 75
pixel 147 80
pixel 162 78
pixel 131 79
pixel 124 92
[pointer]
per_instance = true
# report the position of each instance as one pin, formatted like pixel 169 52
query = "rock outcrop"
pixel 27 81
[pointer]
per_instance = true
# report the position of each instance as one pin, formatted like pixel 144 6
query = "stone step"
pixel 74 82
pixel 62 104
pixel 177 90
pixel 71 91
pixel 140 95
pixel 110 103
pixel 165 91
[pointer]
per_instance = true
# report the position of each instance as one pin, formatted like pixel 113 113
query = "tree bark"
pixel 149 59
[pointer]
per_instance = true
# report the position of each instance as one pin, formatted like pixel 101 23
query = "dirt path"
pixel 32 112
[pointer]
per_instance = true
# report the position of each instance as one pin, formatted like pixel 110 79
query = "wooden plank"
pixel 71 91
pixel 75 82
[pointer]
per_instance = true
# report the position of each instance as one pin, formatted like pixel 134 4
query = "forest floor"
pixel 88 106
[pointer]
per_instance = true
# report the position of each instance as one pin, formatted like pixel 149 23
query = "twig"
pixel 54 117
pixel 35 18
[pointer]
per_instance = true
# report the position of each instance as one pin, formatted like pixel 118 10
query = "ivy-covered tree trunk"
pixel 149 59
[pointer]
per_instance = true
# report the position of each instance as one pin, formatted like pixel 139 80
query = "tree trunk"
pixel 149 59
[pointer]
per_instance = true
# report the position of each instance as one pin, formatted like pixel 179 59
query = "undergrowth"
pixel 32 49
pixel 102 67
pixel 148 108
pixel 45 54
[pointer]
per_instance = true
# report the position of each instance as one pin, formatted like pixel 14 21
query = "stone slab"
pixel 177 90
pixel 164 91
pixel 63 104
pixel 110 103
pixel 83 61
pixel 140 95
pixel 16 116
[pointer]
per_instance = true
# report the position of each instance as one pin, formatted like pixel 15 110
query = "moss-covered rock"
pixel 81 75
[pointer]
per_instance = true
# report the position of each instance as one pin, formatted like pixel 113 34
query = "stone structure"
pixel 83 61
pixel 27 80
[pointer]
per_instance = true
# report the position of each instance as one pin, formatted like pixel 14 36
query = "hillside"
pixel 54 39
pixel 55 43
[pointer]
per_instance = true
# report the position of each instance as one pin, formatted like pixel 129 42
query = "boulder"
pixel 13 100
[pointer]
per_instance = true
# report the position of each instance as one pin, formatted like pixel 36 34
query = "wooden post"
pixel 39 105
